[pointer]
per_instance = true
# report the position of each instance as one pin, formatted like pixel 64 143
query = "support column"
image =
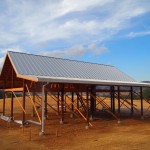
pixel 141 97
pixel 65 104
pixel 33 110
pixel 23 103
pixel 77 102
pixel 12 106
pixel 93 101
pixel 12 97
pixel 62 105
pixel 43 111
pixel 131 100
pixel 119 100
pixel 4 99
pixel 58 103
pixel 72 107
pixel 112 99
pixel 46 115
pixel 87 110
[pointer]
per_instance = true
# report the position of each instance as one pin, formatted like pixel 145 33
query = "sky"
pixel 109 32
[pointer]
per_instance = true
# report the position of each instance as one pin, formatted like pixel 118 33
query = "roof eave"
pixel 89 81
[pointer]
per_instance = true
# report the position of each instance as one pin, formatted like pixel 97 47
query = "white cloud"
pixel 32 22
pixel 72 51
pixel 96 50
pixel 75 51
pixel 135 34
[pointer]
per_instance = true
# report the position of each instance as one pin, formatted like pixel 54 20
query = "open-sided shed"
pixel 30 74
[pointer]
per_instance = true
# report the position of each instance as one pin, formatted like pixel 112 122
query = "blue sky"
pixel 102 31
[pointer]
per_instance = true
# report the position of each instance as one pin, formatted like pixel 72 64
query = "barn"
pixel 75 86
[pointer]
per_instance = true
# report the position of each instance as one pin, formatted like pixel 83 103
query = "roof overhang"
pixel 82 81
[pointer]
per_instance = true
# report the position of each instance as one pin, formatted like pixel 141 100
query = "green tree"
pixel 146 93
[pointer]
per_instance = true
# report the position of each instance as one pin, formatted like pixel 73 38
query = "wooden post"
pixel 119 100
pixel 23 102
pixel 77 102
pixel 87 107
pixel 141 97
pixel 72 107
pixel 58 95
pixel 12 106
pixel 33 110
pixel 65 104
pixel 4 98
pixel 62 105
pixel 93 101
pixel 12 97
pixel 46 116
pixel 111 99
pixel 72 95
pixel 131 100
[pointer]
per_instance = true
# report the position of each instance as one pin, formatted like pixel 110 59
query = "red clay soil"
pixel 131 134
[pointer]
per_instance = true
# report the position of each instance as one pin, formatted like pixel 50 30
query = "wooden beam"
pixel 72 98
pixel 12 96
pixel 12 106
pixel 131 100
pixel 4 100
pixel 62 105
pixel 14 90
pixel 87 107
pixel 58 103
pixel 119 100
pixel 93 101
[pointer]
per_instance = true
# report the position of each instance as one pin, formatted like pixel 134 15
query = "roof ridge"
pixel 60 58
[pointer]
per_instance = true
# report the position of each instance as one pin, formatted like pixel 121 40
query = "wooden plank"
pixel 14 90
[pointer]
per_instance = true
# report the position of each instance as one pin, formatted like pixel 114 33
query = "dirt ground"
pixel 132 133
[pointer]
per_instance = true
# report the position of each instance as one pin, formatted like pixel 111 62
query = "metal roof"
pixel 50 69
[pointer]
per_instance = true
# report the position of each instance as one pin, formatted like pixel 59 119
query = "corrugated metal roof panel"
pixel 36 65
